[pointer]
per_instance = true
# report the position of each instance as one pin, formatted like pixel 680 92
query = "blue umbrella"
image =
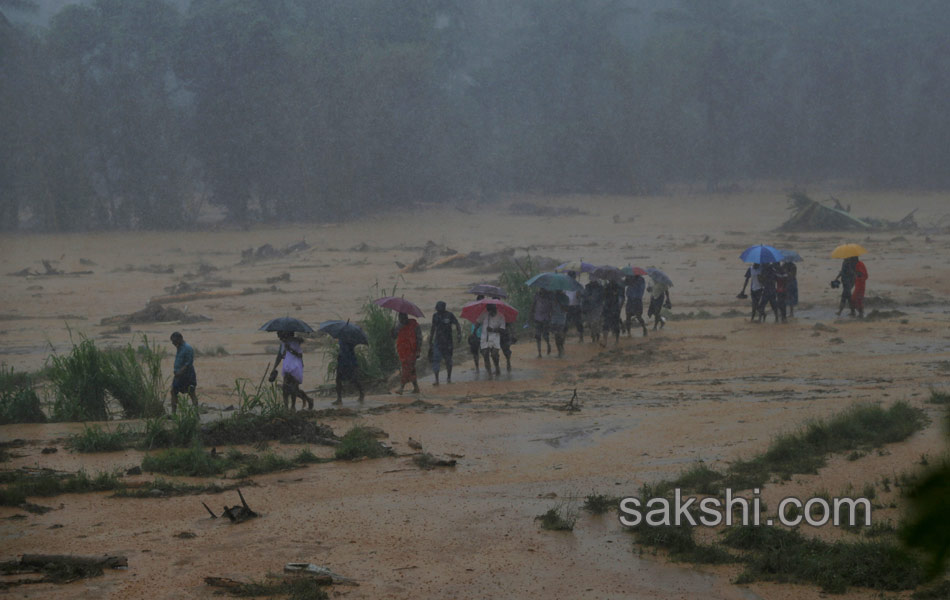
pixel 791 256
pixel 761 254
pixel 344 330
pixel 554 281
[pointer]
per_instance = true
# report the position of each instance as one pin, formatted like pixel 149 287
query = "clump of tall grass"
pixel 514 273
pixel 19 402
pixel 79 381
pixel 84 380
pixel 135 379
pixel 176 430
pixel 266 400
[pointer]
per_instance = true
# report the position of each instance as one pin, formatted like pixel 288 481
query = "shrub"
pixel 193 462
pixel 514 273
pixel 359 442
pixel 96 439
pixel 19 402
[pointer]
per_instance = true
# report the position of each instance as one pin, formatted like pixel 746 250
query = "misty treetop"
pixel 138 113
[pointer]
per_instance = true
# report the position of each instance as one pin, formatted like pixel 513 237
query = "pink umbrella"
pixel 473 310
pixel 399 305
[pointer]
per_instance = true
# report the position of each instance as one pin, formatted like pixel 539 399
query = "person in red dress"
pixel 408 337
pixel 857 295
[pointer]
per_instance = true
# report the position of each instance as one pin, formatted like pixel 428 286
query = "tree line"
pixel 139 113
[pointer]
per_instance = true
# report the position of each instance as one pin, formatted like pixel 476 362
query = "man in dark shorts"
pixel 846 277
pixel 441 345
pixel 752 275
pixel 185 379
pixel 541 314
pixel 347 369
pixel 613 303
pixel 634 293
pixel 575 313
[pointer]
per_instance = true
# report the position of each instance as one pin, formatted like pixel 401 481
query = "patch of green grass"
pixel 360 442
pixel 305 457
pixel 163 488
pixel 193 462
pixel 679 543
pixel 937 397
pixel 294 588
pixel 19 402
pixel 780 555
pixel 558 518
pixel 805 451
pixel 21 485
pixel 97 439
pixel 257 464
pixel 598 504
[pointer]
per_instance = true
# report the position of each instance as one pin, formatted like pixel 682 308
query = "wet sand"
pixel 713 389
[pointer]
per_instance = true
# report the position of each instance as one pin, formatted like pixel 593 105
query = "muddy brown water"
pixel 703 389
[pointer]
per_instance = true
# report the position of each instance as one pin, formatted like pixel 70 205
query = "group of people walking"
pixel 773 285
pixel 596 307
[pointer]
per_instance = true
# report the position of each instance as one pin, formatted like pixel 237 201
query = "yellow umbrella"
pixel 848 250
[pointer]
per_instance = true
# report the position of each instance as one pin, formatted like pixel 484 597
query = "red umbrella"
pixel 629 270
pixel 399 305
pixel 473 310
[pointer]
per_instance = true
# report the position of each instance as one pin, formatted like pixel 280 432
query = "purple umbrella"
pixel 399 305
pixel 485 289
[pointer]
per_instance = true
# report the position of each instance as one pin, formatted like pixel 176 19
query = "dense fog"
pixel 143 113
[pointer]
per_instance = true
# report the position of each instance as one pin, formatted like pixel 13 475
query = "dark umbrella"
pixel 344 330
pixel 553 282
pixel 286 324
pixel 578 266
pixel 485 289
pixel 607 272
pixel 399 305
pixel 631 271
pixel 791 256
pixel 659 276
pixel 473 310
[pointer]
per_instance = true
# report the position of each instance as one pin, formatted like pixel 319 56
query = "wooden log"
pixel 187 297
pixel 40 560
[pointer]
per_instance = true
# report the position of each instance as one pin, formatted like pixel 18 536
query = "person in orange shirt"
pixel 857 295
pixel 408 337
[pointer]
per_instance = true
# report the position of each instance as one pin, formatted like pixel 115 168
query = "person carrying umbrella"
pixel 768 278
pixel 347 369
pixel 291 355
pixel 613 303
pixel 636 285
pixel 493 324
pixel 575 316
pixel 592 306
pixel 408 336
pixel 541 314
pixel 348 336
pixel 659 297
pixel 846 277
pixel 559 307
pixel 752 275
pixel 185 380
pixel 791 286
pixel 441 345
